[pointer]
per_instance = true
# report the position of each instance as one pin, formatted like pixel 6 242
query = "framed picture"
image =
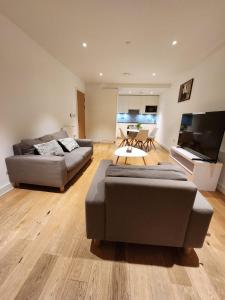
pixel 185 90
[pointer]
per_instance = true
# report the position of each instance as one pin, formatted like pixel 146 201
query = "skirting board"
pixel 5 189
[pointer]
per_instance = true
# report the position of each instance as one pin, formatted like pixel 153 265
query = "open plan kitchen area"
pixel 137 116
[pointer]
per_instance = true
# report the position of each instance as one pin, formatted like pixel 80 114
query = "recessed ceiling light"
pixel 153 74
pixel 84 45
pixel 100 74
pixel 174 43
pixel 151 92
pixel 129 92
pixel 126 74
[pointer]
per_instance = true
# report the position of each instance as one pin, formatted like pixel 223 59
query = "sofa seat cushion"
pixel 75 158
pixel 84 151
pixel 153 172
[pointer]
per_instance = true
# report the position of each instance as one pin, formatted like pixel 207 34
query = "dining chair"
pixel 150 141
pixel 141 138
pixel 125 139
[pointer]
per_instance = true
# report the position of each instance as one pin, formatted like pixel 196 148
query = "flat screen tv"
pixel 202 134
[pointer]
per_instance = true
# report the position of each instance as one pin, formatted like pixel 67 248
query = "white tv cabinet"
pixel 205 175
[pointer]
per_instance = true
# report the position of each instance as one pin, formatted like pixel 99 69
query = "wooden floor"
pixel 44 253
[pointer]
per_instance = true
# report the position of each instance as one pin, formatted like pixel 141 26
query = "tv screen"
pixel 151 108
pixel 202 134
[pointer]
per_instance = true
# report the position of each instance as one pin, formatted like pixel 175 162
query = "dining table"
pixel 133 130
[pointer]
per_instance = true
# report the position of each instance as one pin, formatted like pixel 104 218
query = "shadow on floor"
pixel 145 254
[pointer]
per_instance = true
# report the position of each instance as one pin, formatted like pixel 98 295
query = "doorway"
pixel 81 114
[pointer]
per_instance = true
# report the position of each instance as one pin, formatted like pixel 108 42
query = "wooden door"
pixel 81 114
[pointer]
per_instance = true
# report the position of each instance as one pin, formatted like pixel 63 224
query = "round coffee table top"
pixel 135 152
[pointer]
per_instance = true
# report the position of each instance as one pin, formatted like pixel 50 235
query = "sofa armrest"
pixel 150 211
pixel 199 221
pixel 95 204
pixel 37 169
pixel 85 142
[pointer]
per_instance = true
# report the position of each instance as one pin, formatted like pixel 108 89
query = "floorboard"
pixel 44 253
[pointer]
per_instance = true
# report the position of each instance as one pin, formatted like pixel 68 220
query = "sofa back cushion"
pixel 49 148
pixel 151 211
pixel 59 135
pixel 168 172
pixel 27 145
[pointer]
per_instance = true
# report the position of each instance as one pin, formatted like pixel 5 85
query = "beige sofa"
pixel 147 205
pixel 53 171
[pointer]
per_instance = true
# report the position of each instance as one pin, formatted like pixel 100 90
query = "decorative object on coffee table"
pixel 185 90
pixel 129 149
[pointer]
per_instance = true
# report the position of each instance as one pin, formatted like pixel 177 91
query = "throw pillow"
pixel 69 143
pixel 49 148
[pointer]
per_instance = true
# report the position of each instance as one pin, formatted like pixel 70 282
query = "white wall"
pixel 37 93
pixel 101 109
pixel 207 95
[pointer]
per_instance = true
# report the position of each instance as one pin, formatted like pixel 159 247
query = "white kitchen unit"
pixel 203 174
pixel 126 102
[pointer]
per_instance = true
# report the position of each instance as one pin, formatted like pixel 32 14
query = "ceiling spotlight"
pixel 101 74
pixel 151 92
pixel 153 74
pixel 84 45
pixel 129 92
pixel 174 43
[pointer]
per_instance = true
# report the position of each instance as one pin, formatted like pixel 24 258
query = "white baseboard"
pixel 221 188
pixel 5 189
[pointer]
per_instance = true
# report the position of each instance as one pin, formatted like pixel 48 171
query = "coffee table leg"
pixel 117 159
pixel 125 160
pixel 144 160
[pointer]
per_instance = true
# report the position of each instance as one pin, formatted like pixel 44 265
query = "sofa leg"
pixel 62 189
pixel 188 250
pixel 96 243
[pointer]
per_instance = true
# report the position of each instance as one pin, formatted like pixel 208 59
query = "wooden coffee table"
pixel 122 152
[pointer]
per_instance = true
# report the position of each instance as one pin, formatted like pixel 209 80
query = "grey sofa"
pixel 53 171
pixel 148 205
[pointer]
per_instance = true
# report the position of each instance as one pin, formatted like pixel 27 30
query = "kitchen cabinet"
pixel 126 102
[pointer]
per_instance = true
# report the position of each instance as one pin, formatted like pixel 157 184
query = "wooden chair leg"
pixel 121 144
pixel 62 189
pixel 152 143
pixel 187 250
pixel 127 143
pixel 96 242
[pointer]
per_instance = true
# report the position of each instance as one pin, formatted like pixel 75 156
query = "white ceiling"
pixel 60 26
